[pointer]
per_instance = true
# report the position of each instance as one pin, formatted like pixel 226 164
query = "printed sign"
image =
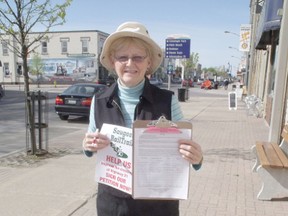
pixel 177 48
pixel 245 35
pixel 114 163
pixel 232 100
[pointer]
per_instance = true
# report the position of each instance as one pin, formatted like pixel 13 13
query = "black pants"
pixel 109 205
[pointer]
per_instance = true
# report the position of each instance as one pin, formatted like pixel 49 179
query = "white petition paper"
pixel 159 170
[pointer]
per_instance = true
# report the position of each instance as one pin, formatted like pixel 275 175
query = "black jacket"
pixel 153 103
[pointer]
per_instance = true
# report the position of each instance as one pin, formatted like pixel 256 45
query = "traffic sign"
pixel 170 69
pixel 177 48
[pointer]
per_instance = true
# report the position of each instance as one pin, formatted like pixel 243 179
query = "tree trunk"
pixel 29 114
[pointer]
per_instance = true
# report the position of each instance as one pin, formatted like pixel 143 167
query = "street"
pixel 12 116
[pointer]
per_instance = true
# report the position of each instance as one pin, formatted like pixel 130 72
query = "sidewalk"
pixel 62 184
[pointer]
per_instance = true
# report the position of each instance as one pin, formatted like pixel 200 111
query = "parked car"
pixel 87 77
pixel 38 79
pixel 156 81
pixel 160 82
pixel 188 82
pixel 200 81
pixel 76 99
pixel 176 80
pixel 107 81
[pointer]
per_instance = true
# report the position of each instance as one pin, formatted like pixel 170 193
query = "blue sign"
pixel 177 48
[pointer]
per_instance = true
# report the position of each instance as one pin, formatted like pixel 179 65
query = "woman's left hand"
pixel 191 151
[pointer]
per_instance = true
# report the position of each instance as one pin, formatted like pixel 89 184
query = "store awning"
pixel 269 23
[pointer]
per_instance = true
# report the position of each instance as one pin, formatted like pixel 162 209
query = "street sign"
pixel 170 69
pixel 177 48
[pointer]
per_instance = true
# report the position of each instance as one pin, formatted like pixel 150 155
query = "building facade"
pixel 64 55
pixel 267 63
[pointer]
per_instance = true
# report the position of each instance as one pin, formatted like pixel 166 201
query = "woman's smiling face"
pixel 131 63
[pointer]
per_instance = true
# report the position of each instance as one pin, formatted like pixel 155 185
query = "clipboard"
pixel 159 171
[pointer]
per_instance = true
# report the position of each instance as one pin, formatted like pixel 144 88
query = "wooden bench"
pixel 272 166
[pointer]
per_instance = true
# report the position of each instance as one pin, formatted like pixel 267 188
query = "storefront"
pixel 269 63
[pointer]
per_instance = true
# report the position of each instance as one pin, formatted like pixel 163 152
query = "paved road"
pixel 13 121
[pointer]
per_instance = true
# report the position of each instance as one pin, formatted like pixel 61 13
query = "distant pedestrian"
pixel 1 91
pixel 133 55
pixel 226 83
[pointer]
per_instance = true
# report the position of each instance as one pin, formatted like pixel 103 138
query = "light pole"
pixel 245 78
pixel 230 47
pixel 2 72
pixel 236 57
pixel 229 72
pixel 228 32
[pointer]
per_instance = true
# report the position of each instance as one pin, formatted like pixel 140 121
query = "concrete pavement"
pixel 61 183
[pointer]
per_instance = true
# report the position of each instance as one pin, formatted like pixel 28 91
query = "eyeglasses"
pixel 135 59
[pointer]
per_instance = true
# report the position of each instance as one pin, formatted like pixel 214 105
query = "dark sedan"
pixel 76 99
pixel 156 81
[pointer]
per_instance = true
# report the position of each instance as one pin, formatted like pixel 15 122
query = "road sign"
pixel 177 48
pixel 170 69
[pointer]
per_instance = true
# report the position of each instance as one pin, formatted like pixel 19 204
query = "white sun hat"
pixel 135 30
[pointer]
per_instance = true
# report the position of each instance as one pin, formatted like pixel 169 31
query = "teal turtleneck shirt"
pixel 129 97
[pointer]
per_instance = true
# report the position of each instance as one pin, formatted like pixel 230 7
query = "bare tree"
pixel 17 20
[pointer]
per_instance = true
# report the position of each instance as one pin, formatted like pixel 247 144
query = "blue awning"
pixel 269 23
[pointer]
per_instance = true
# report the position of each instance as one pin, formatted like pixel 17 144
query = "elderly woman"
pixel 133 55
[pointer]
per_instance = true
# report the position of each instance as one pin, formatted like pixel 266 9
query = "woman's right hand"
pixel 95 141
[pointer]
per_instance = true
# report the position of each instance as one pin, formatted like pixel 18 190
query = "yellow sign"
pixel 245 35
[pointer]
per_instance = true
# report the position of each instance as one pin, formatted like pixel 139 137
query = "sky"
pixel 203 20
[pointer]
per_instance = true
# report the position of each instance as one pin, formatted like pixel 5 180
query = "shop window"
pixel 274 57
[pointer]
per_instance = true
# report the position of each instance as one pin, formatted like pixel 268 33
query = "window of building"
pixel 6 69
pixel 271 79
pixel 19 70
pixel 64 45
pixel 85 44
pixel 44 48
pixel 5 48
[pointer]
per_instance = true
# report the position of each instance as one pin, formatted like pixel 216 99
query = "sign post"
pixel 169 72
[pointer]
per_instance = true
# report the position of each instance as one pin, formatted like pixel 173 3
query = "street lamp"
pixel 236 57
pixel 230 47
pixel 228 32
pixel 245 77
